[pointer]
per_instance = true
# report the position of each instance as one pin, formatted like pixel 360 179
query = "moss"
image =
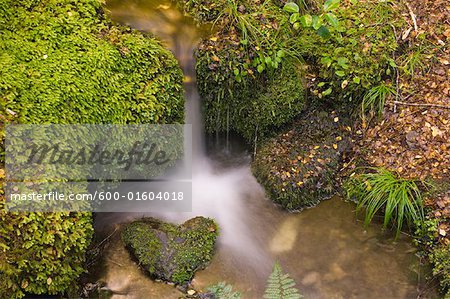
pixel 236 65
pixel 170 252
pixel 42 253
pixel 62 61
pixel 440 257
pixel 358 55
pixel 298 167
pixel 246 76
pixel 256 106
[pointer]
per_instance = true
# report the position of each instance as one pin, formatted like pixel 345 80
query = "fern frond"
pixel 280 286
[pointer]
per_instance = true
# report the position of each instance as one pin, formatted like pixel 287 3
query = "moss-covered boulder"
pixel 254 107
pixel 64 62
pixel 249 79
pixel 298 168
pixel 172 252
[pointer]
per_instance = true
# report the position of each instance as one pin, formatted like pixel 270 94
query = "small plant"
pixel 314 21
pixel 222 290
pixel 440 257
pixel 414 61
pixel 280 286
pixel 374 100
pixel 400 199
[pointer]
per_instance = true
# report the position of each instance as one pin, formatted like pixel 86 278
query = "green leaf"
pixel 236 72
pixel 327 92
pixel 326 60
pixel 331 5
pixel 280 53
pixel 332 19
pixel 340 73
pixel 392 63
pixel 296 26
pixel 306 20
pixel 260 68
pixel 316 22
pixel 294 18
pixel 321 84
pixel 291 7
pixel 356 80
pixel 323 32
pixel 342 61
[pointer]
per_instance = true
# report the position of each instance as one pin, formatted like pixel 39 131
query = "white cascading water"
pixel 217 193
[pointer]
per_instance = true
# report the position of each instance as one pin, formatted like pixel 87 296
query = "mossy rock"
pixel 298 168
pixel 247 79
pixel 254 107
pixel 172 252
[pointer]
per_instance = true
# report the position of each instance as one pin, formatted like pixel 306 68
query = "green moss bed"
pixel 172 252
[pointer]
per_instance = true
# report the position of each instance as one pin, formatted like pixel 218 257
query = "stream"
pixel 326 249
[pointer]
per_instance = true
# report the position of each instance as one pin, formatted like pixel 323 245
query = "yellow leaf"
pixel 339 138
pixel 335 146
pixel 336 119
pixel 435 131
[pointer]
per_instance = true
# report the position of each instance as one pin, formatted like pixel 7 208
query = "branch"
pixel 421 105
pixel 413 16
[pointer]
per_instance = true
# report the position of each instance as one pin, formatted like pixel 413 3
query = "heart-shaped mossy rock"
pixel 172 252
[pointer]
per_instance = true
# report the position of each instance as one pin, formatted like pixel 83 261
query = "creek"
pixel 326 249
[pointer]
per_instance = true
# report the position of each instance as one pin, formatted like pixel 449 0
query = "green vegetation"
pixel 414 60
pixel 170 252
pixel 62 61
pixel 351 46
pixel 358 53
pixel 248 73
pixel 280 285
pixel 42 253
pixel 399 199
pixel 254 106
pixel 375 98
pixel 440 257
pixel 223 291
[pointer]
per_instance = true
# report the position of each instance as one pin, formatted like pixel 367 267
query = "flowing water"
pixel 325 249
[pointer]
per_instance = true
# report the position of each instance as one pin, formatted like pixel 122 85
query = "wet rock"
pixel 311 278
pixel 172 252
pixel 299 167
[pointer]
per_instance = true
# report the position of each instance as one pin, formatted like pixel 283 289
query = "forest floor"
pixel 413 137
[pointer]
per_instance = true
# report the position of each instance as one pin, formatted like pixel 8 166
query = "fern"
pixel 223 291
pixel 280 286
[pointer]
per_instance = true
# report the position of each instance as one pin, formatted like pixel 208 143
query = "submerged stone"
pixel 298 168
pixel 172 252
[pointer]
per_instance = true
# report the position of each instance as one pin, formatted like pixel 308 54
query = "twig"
pixel 413 17
pixel 114 262
pixel 105 239
pixel 421 105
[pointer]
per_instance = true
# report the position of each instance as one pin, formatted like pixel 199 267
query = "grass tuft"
pixel 399 199
pixel 374 100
